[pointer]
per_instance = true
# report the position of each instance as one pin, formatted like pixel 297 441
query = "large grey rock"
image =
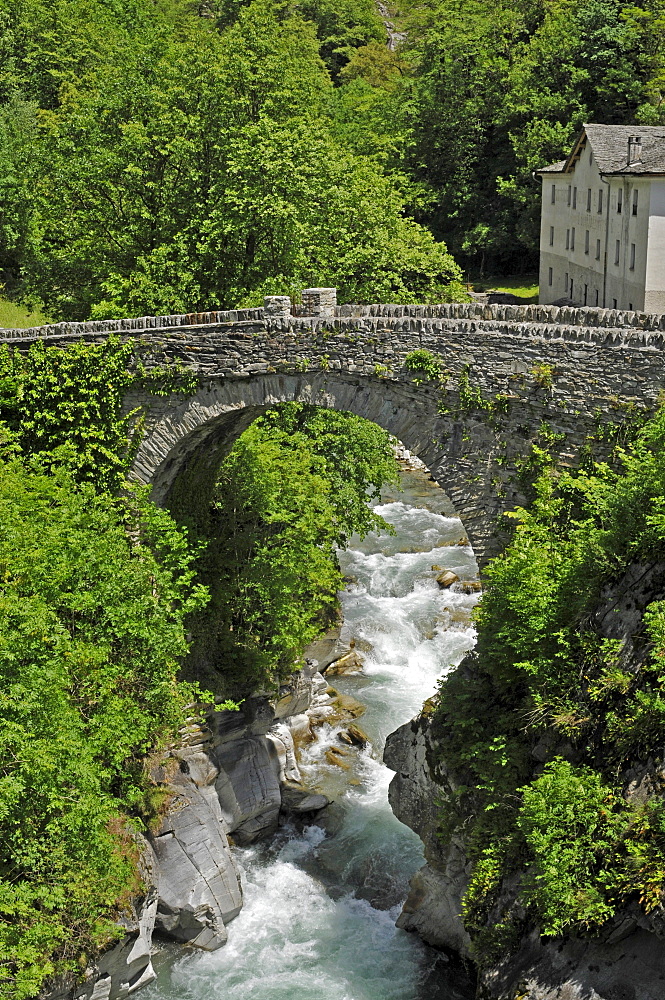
pixel 248 787
pixel 254 752
pixel 433 906
pixel 632 968
pixel 326 648
pixel 199 886
pixel 295 696
pixel 282 740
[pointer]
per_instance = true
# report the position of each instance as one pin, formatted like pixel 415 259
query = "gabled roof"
pixel 554 168
pixel 609 145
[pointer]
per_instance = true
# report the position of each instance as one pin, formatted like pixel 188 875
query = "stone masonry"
pixel 515 377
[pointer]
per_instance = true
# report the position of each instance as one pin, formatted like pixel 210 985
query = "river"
pixel 318 921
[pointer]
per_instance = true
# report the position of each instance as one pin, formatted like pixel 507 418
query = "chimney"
pixel 634 149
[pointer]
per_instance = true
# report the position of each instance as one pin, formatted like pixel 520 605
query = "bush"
pixel 94 596
pixel 543 677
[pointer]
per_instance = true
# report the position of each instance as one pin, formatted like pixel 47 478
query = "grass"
pixel 16 317
pixel 525 286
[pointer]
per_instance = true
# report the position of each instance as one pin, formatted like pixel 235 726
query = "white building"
pixel 602 235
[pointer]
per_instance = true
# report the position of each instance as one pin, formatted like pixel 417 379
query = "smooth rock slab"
pixel 199 885
pixel 248 787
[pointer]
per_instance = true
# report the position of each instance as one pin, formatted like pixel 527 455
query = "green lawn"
pixel 523 285
pixel 15 317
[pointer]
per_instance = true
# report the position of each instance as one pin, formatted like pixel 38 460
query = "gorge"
pixel 519 434
pixel 321 898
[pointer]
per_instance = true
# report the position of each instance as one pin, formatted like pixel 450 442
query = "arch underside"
pixel 186 439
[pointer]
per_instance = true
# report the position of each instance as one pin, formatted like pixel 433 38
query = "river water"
pixel 318 921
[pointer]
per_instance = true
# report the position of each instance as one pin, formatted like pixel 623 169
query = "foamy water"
pixel 318 921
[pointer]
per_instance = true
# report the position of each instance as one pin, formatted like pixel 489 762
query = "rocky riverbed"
pixel 276 858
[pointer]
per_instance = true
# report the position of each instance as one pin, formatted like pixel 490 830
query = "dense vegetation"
pixel 295 485
pixel 496 90
pixel 156 160
pixel 168 156
pixel 100 591
pixel 543 728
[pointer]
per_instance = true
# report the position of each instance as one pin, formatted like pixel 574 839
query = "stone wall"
pixel 557 371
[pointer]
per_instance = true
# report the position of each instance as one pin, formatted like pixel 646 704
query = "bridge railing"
pixel 320 304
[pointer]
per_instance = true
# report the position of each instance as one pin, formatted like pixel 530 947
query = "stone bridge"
pixel 567 379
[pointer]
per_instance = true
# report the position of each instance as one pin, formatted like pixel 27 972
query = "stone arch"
pixel 186 439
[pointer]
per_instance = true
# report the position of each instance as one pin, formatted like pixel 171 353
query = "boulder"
pixel 299 800
pixel 282 740
pixel 198 885
pixel 433 906
pixel 447 579
pixel 337 757
pixel 353 736
pixel 344 706
pixel 326 648
pixel 248 787
pixel 350 663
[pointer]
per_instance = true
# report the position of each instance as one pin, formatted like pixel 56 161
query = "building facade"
pixel 602 236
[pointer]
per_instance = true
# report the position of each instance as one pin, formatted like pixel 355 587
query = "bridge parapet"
pixel 319 309
pixel 511 377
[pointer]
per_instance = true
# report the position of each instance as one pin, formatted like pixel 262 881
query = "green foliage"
pixel 93 601
pixel 545 685
pixel 570 824
pixel 164 162
pixel 543 376
pixel 425 365
pixel 470 396
pixel 166 156
pixel 295 485
pixel 67 406
pixel 497 90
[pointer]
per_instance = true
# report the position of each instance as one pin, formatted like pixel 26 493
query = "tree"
pixel 295 485
pixel 93 601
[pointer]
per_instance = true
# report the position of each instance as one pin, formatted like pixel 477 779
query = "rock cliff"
pixel 625 960
pixel 232 780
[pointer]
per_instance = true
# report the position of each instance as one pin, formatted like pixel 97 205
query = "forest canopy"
pixel 155 161
pixel 169 156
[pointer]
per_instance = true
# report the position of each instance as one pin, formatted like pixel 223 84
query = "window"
pixel 597 249
pixel 588 200
pixel 586 241
pixel 630 306
pixel 590 157
pixel 574 197
pixel 600 201
pixel 549 276
pixel 617 251
pixel 570 192
pixel 553 195
pixel 619 201
pixel 634 201
pixel 551 236
pixel 567 239
pixel 572 238
pixel 614 303
pixel 586 292
pixel 632 256
pixel 570 293
pixel 596 296
pixel 565 277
